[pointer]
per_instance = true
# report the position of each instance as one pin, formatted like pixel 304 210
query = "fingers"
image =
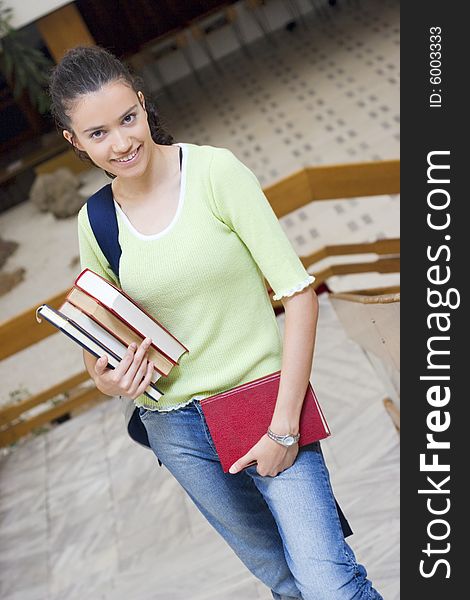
pixel 136 362
pixel 101 364
pixel 242 463
pixel 133 373
pixel 131 361
pixel 126 361
pixel 137 380
pixel 145 381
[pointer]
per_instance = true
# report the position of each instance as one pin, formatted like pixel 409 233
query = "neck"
pixel 159 169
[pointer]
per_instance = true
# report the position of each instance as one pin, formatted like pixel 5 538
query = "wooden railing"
pixel 340 181
pixel 373 321
pixel 311 184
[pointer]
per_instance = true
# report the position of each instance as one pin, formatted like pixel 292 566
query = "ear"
pixel 70 138
pixel 141 99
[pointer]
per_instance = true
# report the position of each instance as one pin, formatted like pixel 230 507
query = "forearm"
pixel 301 315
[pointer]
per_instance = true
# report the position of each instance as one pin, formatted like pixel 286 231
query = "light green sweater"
pixel 202 276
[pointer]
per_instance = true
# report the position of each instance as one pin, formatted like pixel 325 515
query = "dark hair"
pixel 87 69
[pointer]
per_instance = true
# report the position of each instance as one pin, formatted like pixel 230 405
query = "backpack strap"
pixel 103 221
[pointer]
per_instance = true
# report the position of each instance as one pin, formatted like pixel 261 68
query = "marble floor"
pixel 71 524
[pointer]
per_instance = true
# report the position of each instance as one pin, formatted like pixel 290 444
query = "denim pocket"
pixel 143 412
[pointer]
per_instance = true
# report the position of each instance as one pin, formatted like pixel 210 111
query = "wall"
pixel 26 11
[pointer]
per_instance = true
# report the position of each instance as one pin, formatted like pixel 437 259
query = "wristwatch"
pixel 285 440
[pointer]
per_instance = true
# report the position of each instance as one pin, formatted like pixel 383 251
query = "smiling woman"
pixel 124 140
pixel 202 276
pixel 104 98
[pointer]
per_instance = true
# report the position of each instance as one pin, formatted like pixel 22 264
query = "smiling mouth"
pixel 130 157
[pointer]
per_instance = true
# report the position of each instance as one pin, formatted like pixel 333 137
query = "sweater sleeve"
pixel 91 256
pixel 242 206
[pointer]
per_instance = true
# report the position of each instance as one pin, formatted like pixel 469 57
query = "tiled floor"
pixel 71 524
pixel 86 513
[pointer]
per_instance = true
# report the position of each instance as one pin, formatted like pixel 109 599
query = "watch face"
pixel 289 440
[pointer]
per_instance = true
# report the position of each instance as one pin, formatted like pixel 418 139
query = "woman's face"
pixel 111 126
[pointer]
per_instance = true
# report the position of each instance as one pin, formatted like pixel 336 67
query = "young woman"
pixel 198 236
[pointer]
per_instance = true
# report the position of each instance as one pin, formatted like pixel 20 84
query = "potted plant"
pixel 24 68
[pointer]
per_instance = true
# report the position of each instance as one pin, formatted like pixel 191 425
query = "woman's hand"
pixel 272 458
pixel 130 378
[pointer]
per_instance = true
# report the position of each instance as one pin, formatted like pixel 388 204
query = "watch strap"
pixel 280 438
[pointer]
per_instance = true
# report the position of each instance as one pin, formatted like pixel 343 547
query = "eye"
pixel 94 136
pixel 129 118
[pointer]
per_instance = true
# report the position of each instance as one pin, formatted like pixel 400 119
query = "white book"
pixel 87 341
pixel 102 335
pixel 129 312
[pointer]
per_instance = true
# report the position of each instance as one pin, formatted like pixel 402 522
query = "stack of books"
pixel 104 320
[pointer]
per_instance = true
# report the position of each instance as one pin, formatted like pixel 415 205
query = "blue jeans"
pixel 285 529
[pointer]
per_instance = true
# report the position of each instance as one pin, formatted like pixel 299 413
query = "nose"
pixel 121 143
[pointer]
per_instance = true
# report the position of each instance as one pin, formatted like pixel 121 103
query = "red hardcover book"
pixel 239 417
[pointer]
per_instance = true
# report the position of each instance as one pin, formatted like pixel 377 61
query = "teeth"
pixel 128 158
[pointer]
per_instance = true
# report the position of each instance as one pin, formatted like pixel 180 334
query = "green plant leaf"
pixel 25 67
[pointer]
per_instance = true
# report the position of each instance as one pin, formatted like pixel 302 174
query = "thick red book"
pixel 239 417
